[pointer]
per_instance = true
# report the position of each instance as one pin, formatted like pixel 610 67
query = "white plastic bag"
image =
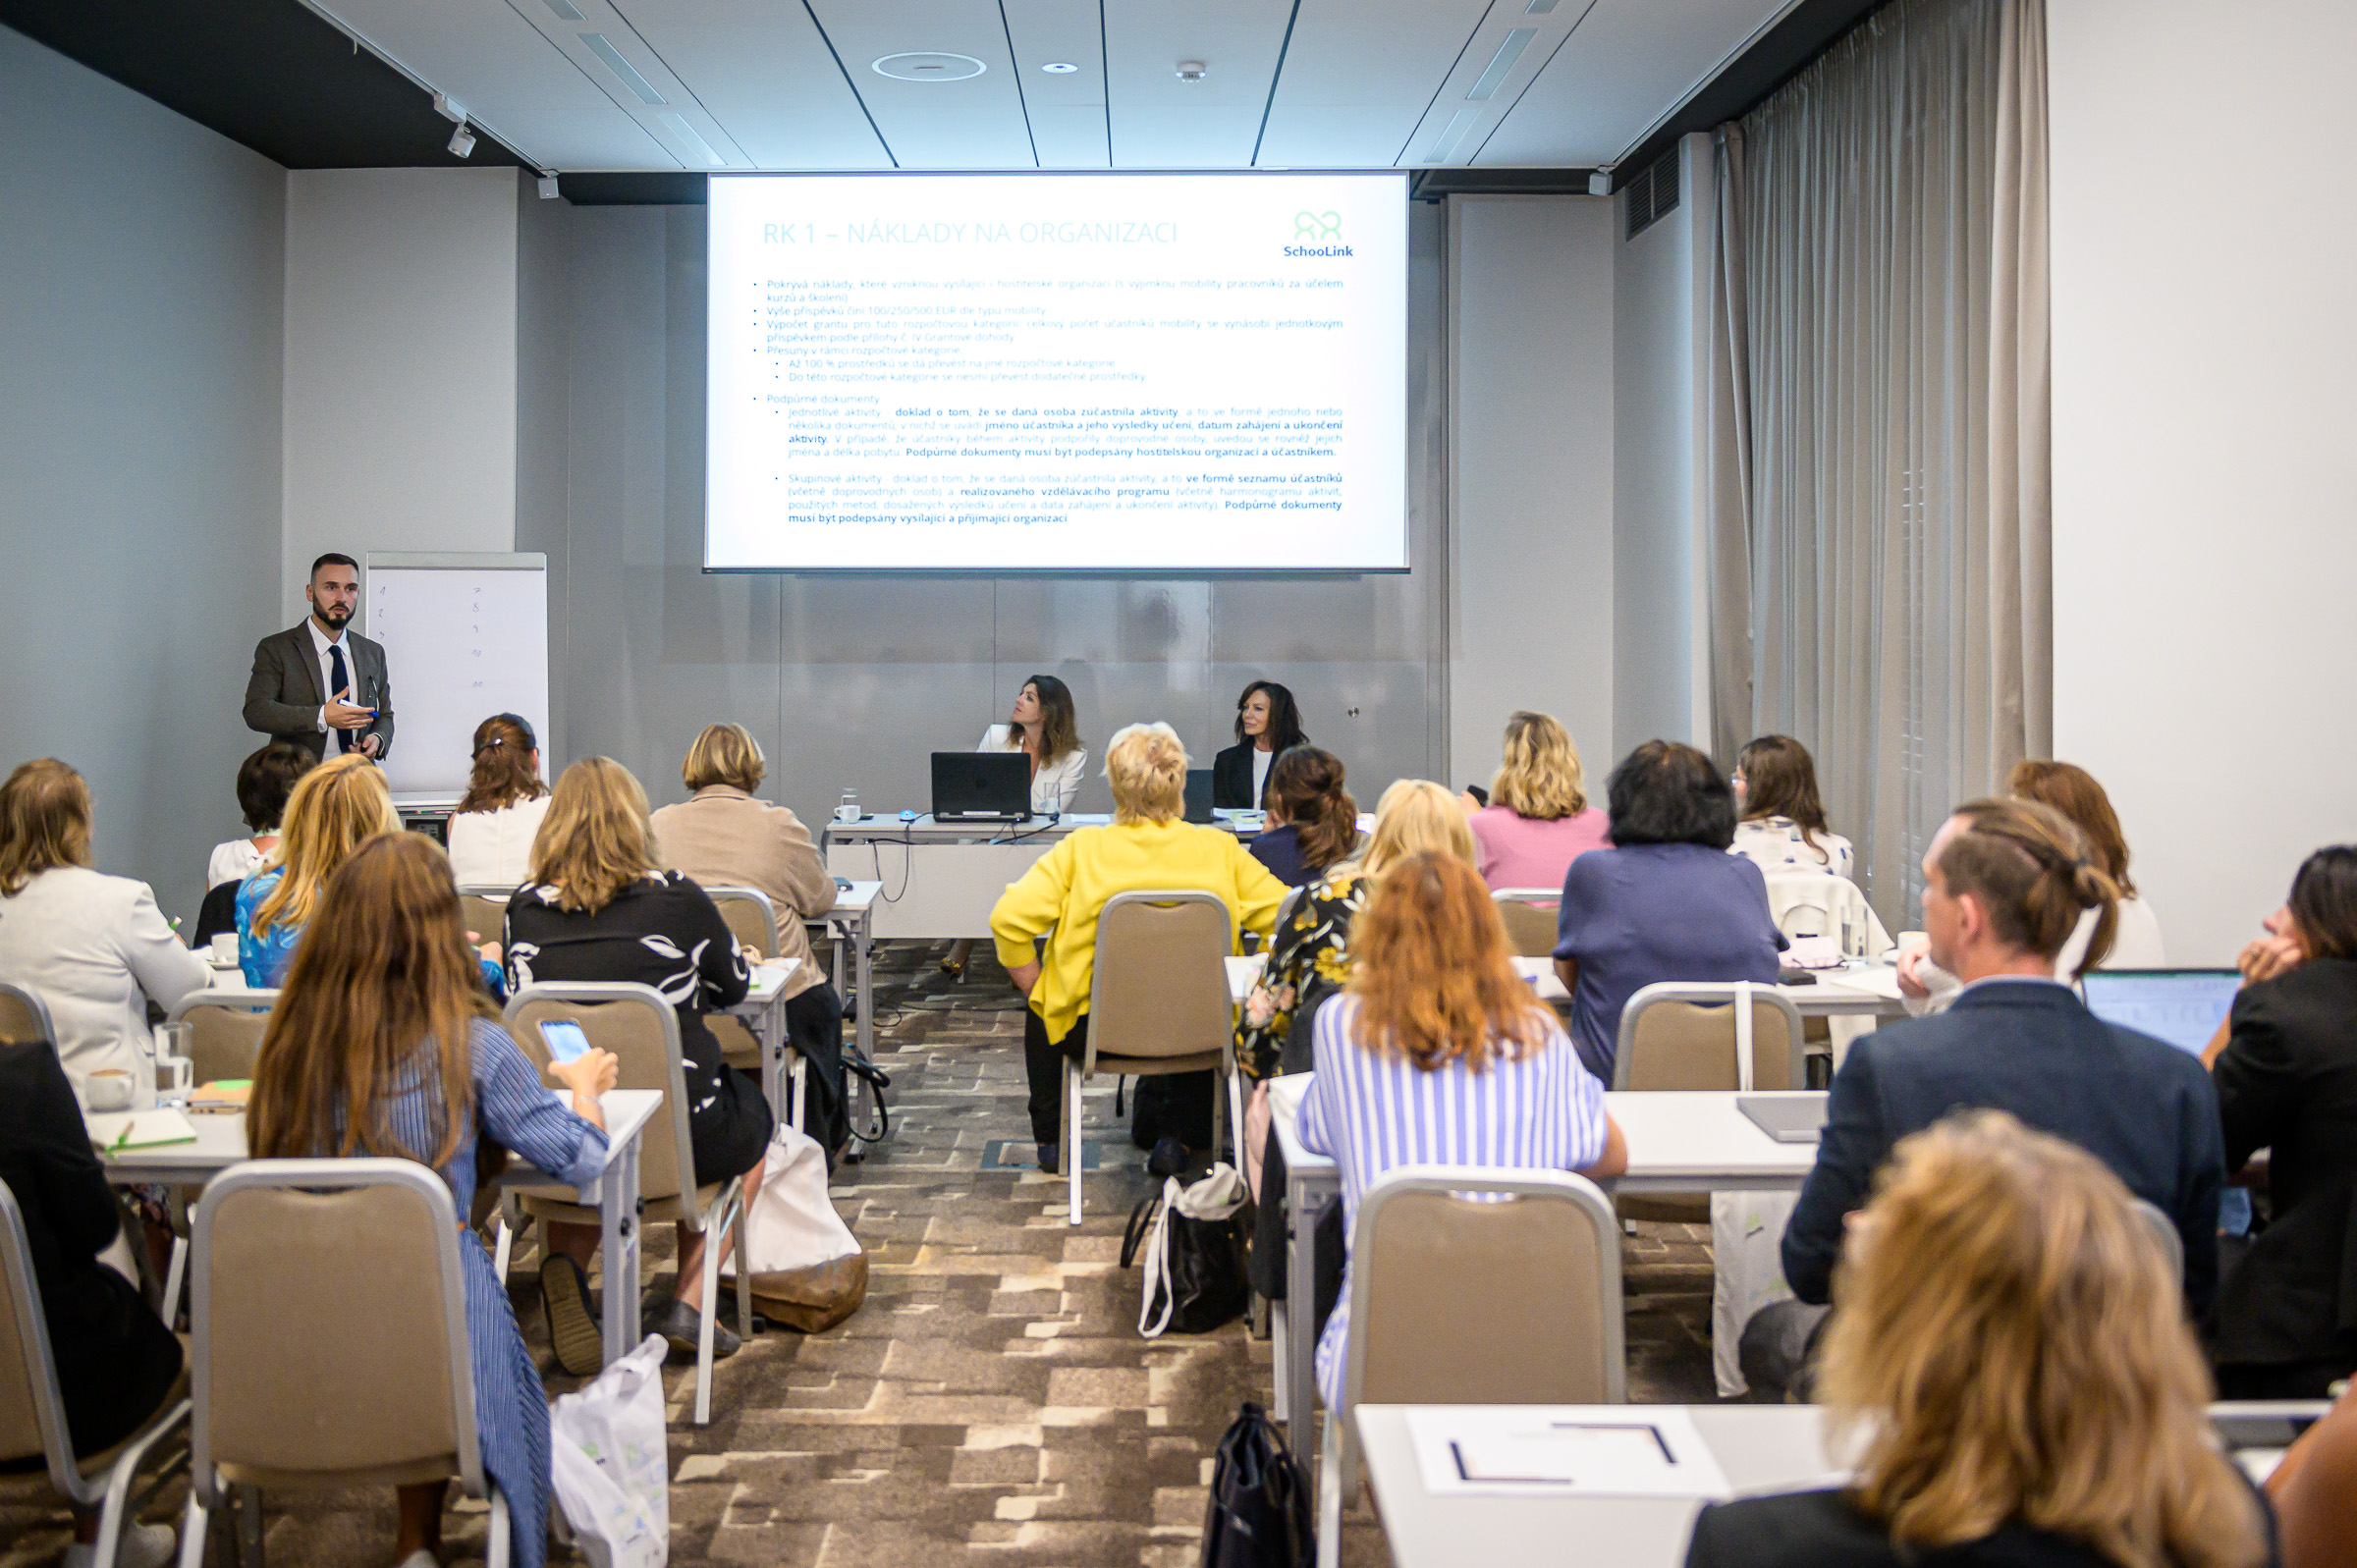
pixel 792 1222
pixel 1216 1196
pixel 1747 1267
pixel 611 1465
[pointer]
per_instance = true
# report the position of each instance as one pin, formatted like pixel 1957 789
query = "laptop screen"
pixel 2182 1007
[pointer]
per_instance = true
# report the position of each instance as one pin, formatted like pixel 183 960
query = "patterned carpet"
pixel 992 1401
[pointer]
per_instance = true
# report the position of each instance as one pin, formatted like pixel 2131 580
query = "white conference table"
pixel 1863 987
pixel 940 880
pixel 764 1011
pixel 853 919
pixel 221 1143
pixel 1760 1448
pixel 1684 1142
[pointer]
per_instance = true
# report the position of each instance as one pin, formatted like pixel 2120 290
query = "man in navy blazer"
pixel 2005 882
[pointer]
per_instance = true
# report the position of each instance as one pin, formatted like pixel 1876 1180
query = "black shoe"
pixel 1051 1158
pixel 680 1324
pixel 1169 1158
pixel 572 1328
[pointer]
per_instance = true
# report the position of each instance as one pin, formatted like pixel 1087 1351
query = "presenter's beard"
pixel 334 617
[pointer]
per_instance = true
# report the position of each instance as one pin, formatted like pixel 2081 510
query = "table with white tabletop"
pixel 221 1143
pixel 1540 972
pixel 1684 1142
pixel 1864 987
pixel 1759 1449
pixel 764 1011
pixel 853 918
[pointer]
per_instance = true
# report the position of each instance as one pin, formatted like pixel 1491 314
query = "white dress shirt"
pixel 233 861
pixel 321 642
pixel 1260 776
pixel 1054 784
pixel 97 951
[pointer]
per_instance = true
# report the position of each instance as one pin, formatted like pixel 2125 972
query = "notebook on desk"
pixel 123 1132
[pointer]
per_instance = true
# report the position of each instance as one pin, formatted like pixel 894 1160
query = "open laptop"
pixel 981 787
pixel 2183 1007
pixel 1198 795
pixel 1787 1118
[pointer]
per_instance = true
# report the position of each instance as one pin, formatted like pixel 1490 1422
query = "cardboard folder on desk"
pixel 121 1131
pixel 1522 1451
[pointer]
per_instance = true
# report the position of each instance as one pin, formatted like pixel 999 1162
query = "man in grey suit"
pixel 318 685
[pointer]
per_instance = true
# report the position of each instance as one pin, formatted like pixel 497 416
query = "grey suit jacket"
pixel 282 698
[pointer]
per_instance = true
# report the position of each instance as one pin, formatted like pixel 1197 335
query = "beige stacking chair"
pixel 25 1017
pixel 641 1030
pixel 1523 1266
pixel 329 1323
pixel 1529 916
pixel 32 1409
pixel 226 1029
pixel 1685 1035
pixel 484 909
pixel 1158 1003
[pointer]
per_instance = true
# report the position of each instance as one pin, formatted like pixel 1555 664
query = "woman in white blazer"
pixel 1043 726
pixel 491 832
pixel 94 948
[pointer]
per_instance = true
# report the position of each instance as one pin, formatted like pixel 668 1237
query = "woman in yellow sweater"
pixel 1147 847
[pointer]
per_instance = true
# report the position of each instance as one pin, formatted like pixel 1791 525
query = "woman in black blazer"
pixel 2009 1362
pixel 2285 1062
pixel 1266 724
pixel 116 1360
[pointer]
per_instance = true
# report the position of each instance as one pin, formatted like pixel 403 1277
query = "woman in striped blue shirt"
pixel 1440 1054
pixel 383 1045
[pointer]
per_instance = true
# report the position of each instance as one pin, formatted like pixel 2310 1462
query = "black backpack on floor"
pixel 1260 1513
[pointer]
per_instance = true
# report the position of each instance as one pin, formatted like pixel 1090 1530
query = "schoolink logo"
pixel 1314 234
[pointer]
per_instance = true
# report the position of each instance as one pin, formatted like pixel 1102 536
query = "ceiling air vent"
pixel 1652 193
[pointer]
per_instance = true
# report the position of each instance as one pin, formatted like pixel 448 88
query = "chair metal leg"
pixel 1329 1494
pixel 723 1210
pixel 1236 1116
pixel 747 1325
pixel 495 1554
pixel 115 1511
pixel 192 1523
pixel 503 1248
pixel 249 1528
pixel 175 1276
pixel 1072 1133
pixel 802 1073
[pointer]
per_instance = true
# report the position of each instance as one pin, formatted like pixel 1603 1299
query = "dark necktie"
pixel 341 686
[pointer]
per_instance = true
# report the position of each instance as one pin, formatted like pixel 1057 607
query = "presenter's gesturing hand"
pixel 342 715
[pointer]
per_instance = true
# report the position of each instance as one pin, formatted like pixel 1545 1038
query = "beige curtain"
pixel 1880 488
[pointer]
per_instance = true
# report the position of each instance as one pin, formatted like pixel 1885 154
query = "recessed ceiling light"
pixel 1192 71
pixel 925 66
pixel 1059 68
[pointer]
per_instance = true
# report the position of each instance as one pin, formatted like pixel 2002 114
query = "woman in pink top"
pixel 1538 820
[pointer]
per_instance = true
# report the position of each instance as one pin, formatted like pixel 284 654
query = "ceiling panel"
pixel 484 55
pixel 1500 61
pixel 1359 75
pixel 1065 108
pixel 974 124
pixel 1628 65
pixel 600 41
pixel 763 71
pixel 1160 122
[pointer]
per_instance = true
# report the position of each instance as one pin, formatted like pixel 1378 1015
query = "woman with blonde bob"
pixel 2010 1351
pixel 1539 819
pixel 1147 847
pixel 333 810
pixel 599 907
pixel 1438 1054
pixel 727 837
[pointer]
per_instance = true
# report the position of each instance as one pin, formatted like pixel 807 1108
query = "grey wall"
pixel 1530 461
pixel 851 682
pixel 140 383
pixel 1659 631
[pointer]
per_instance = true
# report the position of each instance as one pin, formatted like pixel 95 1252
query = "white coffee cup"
pixel 108 1089
pixel 223 953
pixel 846 812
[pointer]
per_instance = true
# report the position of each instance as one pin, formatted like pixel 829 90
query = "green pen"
pixel 120 1138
